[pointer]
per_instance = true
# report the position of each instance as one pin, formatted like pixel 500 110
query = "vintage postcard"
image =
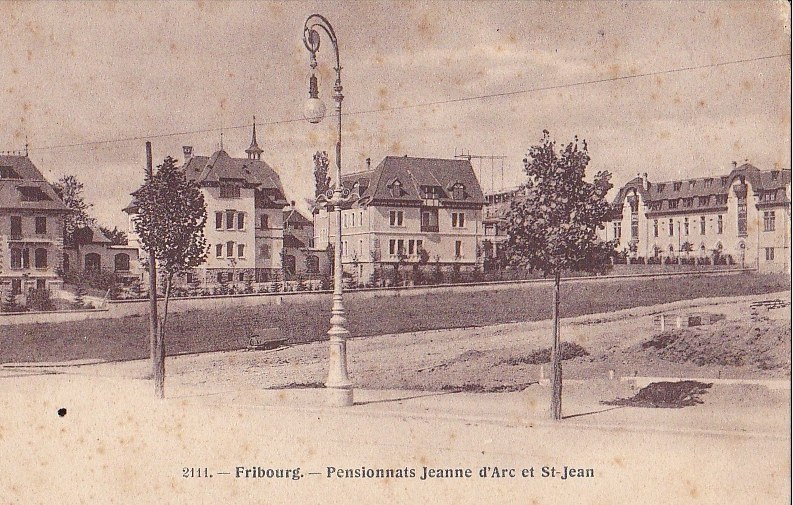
pixel 395 252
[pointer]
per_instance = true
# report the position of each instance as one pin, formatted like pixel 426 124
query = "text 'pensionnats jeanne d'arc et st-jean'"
pixel 424 473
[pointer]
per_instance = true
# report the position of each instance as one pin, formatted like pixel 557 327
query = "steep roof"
pixel 412 174
pixel 220 165
pixel 293 216
pixel 91 234
pixel 22 186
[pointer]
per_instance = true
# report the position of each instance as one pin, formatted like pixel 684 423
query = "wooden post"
pixel 153 319
pixel 556 355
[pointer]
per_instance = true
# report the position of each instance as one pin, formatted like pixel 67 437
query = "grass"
pixel 226 329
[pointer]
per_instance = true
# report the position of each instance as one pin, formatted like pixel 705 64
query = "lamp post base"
pixel 338 396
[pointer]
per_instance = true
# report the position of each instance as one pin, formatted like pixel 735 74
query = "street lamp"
pixel 338 383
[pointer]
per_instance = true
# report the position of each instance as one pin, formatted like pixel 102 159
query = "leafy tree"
pixel 170 223
pixel 70 190
pixel 553 223
pixel 321 178
pixel 116 236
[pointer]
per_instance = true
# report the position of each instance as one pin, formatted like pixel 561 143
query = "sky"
pixel 180 73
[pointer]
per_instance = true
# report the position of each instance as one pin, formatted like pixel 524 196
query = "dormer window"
pixel 458 191
pixel 396 188
pixel 724 181
pixel 8 173
pixel 692 184
pixel 32 194
pixel 431 192
pixel 661 187
pixel 678 186
pixel 774 175
pixel 708 182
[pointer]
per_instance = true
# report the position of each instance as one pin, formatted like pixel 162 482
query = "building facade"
pixel 495 228
pixel 741 218
pixel 244 202
pixel 31 228
pixel 301 258
pixel 92 251
pixel 405 206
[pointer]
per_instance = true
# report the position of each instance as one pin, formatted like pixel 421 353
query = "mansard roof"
pixel 415 174
pixel 660 193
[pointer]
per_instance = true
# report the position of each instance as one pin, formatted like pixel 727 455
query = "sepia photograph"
pixel 381 251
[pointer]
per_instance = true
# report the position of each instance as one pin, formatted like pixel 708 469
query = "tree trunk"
pixel 556 355
pixel 159 347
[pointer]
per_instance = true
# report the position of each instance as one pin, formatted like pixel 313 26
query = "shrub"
pixel 40 300
pixel 569 350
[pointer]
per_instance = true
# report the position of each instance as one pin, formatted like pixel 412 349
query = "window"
pixel 290 264
pixel 240 250
pixel 458 191
pixel 677 186
pixel 229 219
pixel 685 226
pixel 671 228
pixel 395 217
pixel 121 262
pixel 411 247
pixel 218 220
pixel 229 249
pixel 617 230
pixel 720 224
pixel 41 225
pixel 704 201
pixel 396 189
pixel 429 220
pixel 701 225
pixel 721 199
pixel 219 250
pixel 241 221
pixel 93 262
pixel 769 196
pixel 264 251
pixel 241 276
pixel 263 221
pixel 661 187
pixel 458 220
pixel 708 182
pixel 16 258
pixel 742 231
pixel 672 204
pixel 220 277
pixel 41 284
pixel 229 191
pixel 16 286
pixel 769 220
pixel 430 192
pixel 400 246
pixel 16 227
pixel 769 254
pixel 360 218
pixel 32 194
pixel 655 228
pixel 458 249
pixel 190 278
pixel 634 225
pixel 392 247
pixel 688 202
pixel 312 264
pixel 65 262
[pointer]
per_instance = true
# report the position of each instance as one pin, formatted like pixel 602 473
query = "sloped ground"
pixel 759 344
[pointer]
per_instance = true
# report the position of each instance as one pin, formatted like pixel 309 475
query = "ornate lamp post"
pixel 338 383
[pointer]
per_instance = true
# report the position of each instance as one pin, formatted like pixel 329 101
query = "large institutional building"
pixel 31 228
pixel 404 206
pixel 741 217
pixel 245 228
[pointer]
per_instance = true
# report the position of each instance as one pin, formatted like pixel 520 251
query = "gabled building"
pixel 404 206
pixel 743 216
pixel 245 229
pixel 31 228
pixel 300 256
pixel 494 223
pixel 92 251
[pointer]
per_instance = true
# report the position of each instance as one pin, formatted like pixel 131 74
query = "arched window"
pixel 312 264
pixel 93 262
pixel 122 262
pixel 289 264
pixel 40 258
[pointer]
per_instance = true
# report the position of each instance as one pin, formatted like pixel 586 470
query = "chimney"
pixel 368 163
pixel 646 182
pixel 734 165
pixel 188 152
pixel 292 204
